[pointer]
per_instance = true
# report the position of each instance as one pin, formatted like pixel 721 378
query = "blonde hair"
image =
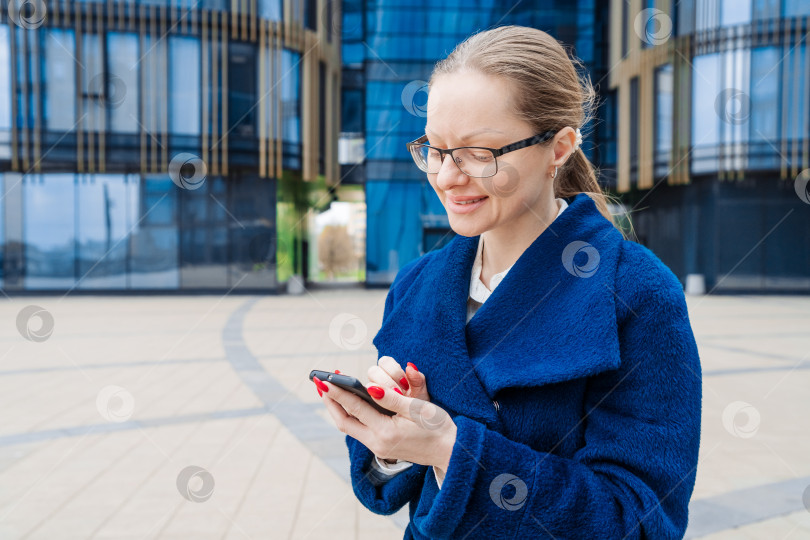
pixel 547 92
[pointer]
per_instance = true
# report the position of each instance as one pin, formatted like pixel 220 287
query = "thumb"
pixel 418 384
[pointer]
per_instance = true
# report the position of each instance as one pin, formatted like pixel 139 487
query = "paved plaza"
pixel 192 417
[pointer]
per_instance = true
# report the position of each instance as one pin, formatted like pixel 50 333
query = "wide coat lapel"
pixel 551 319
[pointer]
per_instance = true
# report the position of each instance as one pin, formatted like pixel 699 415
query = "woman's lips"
pixel 466 208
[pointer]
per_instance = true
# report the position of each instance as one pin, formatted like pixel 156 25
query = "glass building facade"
pixel 389 49
pixel 714 125
pixel 143 144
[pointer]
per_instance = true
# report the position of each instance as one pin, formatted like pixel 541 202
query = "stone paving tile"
pixel 98 421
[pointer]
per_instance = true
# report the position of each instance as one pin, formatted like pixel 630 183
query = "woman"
pixel 567 404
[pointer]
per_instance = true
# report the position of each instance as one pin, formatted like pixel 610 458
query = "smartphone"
pixel 347 382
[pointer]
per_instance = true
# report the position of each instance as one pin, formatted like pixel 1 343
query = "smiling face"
pixel 468 108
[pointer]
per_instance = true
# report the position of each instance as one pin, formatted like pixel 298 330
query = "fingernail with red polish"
pixel 337 371
pixel 376 392
pixel 398 391
pixel 320 384
pixel 404 382
pixel 413 366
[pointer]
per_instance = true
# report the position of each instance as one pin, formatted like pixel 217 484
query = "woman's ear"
pixel 563 146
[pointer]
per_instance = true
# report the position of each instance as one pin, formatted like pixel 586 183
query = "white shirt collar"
pixel 478 291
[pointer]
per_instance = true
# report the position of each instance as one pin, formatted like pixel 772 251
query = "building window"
pixel 103 227
pixel 705 89
pixel 184 85
pixel 765 94
pixel 290 96
pixel 663 113
pixel 242 109
pixel 768 9
pixel 48 231
pixel 26 76
pixel 5 75
pixel 634 121
pixel 154 242
pixel 270 9
pixel 60 80
pixel 735 12
pixel 797 8
pixel 154 71
pixel 795 84
pixel 92 83
pixel 121 96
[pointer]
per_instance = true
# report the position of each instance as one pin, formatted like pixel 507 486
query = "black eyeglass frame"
pixel 496 152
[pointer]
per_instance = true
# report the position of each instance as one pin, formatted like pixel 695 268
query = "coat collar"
pixel 551 319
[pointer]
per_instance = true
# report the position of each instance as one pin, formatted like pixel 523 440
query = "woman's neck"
pixel 504 246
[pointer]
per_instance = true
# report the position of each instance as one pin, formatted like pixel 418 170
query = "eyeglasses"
pixel 475 161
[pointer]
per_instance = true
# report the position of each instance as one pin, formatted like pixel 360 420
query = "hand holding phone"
pixel 352 384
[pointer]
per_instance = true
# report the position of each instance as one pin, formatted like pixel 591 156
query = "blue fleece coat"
pixel 587 349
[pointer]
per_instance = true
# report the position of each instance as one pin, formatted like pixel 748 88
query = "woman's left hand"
pixel 421 431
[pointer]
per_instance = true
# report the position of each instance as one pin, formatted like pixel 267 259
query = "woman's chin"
pixel 466 227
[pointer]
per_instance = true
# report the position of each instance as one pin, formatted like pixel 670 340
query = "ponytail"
pixel 578 175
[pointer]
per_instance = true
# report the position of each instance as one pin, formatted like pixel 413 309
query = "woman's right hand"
pixel 388 374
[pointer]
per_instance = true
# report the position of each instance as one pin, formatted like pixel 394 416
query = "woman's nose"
pixel 450 175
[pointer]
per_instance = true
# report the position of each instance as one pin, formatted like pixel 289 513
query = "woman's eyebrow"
pixel 472 133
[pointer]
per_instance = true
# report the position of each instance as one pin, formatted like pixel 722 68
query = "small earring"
pixel 555 173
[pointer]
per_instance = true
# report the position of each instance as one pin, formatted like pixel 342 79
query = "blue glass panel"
pixel 705 89
pixel 270 9
pixel 121 97
pixel 59 105
pixel 103 227
pixel 184 85
pixel 765 91
pixel 734 12
pixel 5 75
pixel 48 231
pixel 663 111
pixel 154 239
pixel 796 8
pixel 290 96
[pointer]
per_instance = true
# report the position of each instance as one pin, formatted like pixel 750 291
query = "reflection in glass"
pixel 154 241
pixel 92 83
pixel 204 235
pixel 103 225
pixel 764 94
pixel 5 75
pixel 154 68
pixel 184 85
pixel 253 233
pixel 270 9
pixel 60 74
pixel 48 231
pixel 290 96
pixel 663 114
pixel 122 82
pixel 705 88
